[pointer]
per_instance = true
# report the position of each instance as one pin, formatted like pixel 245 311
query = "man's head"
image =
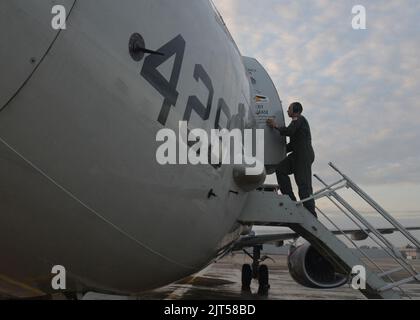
pixel 295 110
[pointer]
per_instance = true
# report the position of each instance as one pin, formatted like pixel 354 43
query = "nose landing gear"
pixel 257 271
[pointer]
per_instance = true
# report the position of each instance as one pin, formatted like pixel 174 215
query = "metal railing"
pixel 367 229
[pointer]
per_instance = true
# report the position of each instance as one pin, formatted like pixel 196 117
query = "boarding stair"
pixel 267 208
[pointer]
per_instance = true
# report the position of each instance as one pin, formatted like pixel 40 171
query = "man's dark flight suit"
pixel 298 162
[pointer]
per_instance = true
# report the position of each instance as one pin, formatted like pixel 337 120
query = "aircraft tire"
pixel 246 277
pixel 263 279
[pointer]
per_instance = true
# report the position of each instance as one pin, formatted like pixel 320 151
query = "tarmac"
pixel 222 281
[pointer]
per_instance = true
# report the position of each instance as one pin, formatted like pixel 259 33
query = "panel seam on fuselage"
pixel 65 190
pixel 2 108
pixel 93 211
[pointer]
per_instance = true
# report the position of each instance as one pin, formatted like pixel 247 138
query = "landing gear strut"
pixel 257 271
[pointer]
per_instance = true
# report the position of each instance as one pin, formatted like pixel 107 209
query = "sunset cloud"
pixel 360 89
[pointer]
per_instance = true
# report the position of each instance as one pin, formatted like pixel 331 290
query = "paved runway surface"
pixel 222 280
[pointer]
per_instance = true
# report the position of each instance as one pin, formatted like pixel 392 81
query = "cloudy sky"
pixel 360 89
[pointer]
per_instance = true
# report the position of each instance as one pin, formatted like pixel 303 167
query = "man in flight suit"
pixel 300 157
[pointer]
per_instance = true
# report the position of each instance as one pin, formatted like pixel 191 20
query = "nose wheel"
pixel 246 277
pixel 263 281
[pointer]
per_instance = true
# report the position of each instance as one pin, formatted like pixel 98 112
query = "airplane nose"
pixel 26 34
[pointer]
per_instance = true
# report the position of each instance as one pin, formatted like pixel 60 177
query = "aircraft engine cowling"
pixel 310 269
